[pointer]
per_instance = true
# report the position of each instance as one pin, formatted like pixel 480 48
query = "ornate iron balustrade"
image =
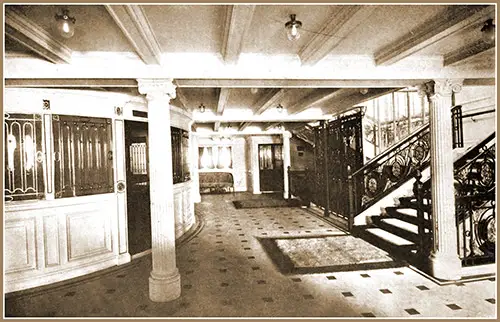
pixel 474 205
pixel 476 228
pixel 389 170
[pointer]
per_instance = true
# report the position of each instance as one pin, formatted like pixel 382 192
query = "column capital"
pixel 287 134
pixel 155 88
pixel 440 87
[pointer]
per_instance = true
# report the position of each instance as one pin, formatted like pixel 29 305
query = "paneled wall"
pixel 54 239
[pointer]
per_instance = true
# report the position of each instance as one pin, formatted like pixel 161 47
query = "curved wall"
pixel 55 239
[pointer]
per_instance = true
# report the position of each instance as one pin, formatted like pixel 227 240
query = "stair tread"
pixel 387 236
pixel 407 211
pixel 401 224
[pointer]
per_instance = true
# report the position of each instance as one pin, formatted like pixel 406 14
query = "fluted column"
pixel 286 162
pixel 444 261
pixel 164 280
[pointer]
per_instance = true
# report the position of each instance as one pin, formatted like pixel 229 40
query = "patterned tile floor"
pixel 225 272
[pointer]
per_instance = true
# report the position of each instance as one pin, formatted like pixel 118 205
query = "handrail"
pixel 474 150
pixel 391 149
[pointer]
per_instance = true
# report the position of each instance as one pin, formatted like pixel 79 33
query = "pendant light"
pixel 292 28
pixel 65 24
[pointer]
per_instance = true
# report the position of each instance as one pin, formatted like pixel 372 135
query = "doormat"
pixel 321 254
pixel 266 203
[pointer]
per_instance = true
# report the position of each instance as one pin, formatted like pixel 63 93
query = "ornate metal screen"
pixel 180 155
pixel 23 157
pixel 337 148
pixel 83 155
pixel 345 151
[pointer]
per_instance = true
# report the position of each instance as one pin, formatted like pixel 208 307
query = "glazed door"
pixel 271 167
pixel 138 201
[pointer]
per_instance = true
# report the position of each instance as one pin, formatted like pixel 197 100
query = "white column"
pixel 254 165
pixel 195 176
pixel 286 162
pixel 164 280
pixel 444 261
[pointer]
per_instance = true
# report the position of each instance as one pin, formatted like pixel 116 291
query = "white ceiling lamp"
pixel 488 32
pixel 65 24
pixel 292 28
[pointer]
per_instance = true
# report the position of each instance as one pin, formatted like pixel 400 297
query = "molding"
pixel 316 97
pixel 452 20
pixel 68 82
pixel 339 24
pixel 134 24
pixel 22 30
pixel 468 51
pixel 237 23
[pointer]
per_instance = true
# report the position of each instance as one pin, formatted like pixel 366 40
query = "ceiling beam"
pixel 318 96
pixel 468 51
pixel 338 26
pixel 297 83
pixel 21 29
pixel 135 26
pixel 223 98
pixel 452 20
pixel 352 98
pixel 237 24
pixel 271 118
pixel 196 83
pixel 271 98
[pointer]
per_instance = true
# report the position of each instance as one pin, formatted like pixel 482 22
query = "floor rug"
pixel 320 254
pixel 265 203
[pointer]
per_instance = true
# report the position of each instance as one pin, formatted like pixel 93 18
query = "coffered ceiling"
pixel 237 61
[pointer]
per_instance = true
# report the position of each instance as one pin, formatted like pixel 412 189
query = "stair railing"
pixel 389 170
pixel 474 205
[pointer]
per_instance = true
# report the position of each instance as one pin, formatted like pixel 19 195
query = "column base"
pixel 285 194
pixel 164 289
pixel 445 267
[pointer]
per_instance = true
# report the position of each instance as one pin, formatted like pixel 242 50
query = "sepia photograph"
pixel 249 160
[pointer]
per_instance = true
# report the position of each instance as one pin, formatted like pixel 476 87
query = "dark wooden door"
pixel 271 167
pixel 138 200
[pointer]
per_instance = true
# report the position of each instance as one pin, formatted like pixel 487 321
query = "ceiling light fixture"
pixel 201 108
pixel 363 91
pixel 65 24
pixel 279 108
pixel 292 28
pixel 488 32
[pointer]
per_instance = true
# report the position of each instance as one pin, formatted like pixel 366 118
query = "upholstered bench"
pixel 216 181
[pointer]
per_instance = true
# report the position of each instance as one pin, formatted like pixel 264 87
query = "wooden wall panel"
pixel 88 234
pixel 20 246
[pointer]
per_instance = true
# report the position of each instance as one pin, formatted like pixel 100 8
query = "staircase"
pixel 405 230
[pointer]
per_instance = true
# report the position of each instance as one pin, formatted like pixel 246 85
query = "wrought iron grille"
pixel 138 158
pixel 23 156
pixel 180 155
pixel 392 168
pixel 457 127
pixel 83 156
pixel 476 228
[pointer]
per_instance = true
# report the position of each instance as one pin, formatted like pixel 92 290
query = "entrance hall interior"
pixel 250 160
